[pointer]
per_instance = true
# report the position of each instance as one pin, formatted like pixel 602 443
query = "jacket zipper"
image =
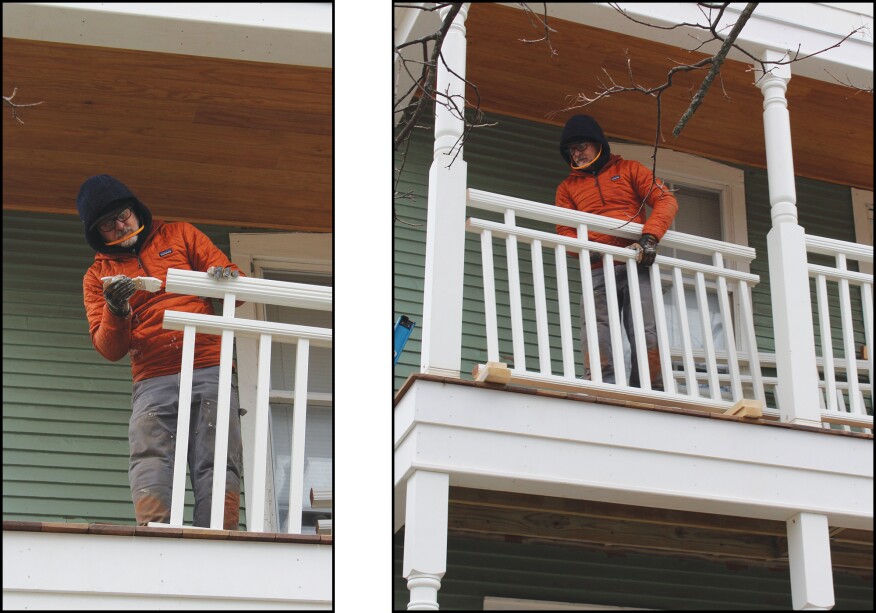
pixel 599 189
pixel 134 251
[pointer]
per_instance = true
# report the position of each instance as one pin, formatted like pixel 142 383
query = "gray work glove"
pixel 117 293
pixel 222 272
pixel 647 249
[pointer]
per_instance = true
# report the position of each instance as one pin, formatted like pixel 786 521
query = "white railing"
pixel 252 290
pixel 836 391
pixel 722 389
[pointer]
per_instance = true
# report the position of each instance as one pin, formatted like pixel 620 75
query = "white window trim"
pixel 862 200
pixel 293 251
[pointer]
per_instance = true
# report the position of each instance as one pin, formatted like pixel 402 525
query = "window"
pixel 711 199
pixel 298 258
pixel 318 435
pixel 699 213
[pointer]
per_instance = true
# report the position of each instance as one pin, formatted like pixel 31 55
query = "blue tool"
pixel 400 335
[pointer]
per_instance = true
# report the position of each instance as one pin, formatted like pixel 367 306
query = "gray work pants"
pixel 603 334
pixel 152 435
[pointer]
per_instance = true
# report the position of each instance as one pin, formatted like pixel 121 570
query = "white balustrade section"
pixel 681 387
pixel 834 407
pixel 264 291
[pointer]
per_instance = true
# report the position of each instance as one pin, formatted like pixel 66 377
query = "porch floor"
pixel 184 532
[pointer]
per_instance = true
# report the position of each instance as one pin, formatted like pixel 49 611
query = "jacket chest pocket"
pixel 172 258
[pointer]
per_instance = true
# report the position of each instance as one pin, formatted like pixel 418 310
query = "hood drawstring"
pixel 588 164
pixel 124 238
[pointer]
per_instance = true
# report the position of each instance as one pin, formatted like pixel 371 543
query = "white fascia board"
pixel 279 33
pixel 498 440
pixel 95 571
pixel 780 26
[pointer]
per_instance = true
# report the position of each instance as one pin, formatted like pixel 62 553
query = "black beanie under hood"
pixel 584 127
pixel 99 196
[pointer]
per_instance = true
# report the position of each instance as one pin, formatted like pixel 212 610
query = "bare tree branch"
pixel 423 72
pixel 533 18
pixel 425 83
pixel 717 60
pixel 18 105
pixel 712 12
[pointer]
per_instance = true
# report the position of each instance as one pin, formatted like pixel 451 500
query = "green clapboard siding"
pixel 823 210
pixel 518 158
pixel 522 159
pixel 537 571
pixel 65 408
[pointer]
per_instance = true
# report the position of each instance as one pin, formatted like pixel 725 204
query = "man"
pixel 122 320
pixel 605 184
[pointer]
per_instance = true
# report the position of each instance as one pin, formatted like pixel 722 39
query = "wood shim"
pixel 492 372
pixel 746 408
pixel 320 499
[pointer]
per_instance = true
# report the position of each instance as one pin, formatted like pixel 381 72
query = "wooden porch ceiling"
pixel 736 541
pixel 198 139
pixel 831 125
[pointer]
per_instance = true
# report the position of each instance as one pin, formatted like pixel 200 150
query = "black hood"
pixel 584 127
pixel 99 196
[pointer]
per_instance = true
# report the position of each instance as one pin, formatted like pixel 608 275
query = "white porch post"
pixel 425 559
pixel 441 350
pixel 789 281
pixel 809 558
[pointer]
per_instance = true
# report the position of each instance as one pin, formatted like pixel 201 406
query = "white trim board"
pixel 88 571
pixel 278 33
pixel 499 440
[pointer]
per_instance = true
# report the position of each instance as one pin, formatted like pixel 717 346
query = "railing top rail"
pixel 831 246
pixel 550 239
pixel 558 215
pixel 266 291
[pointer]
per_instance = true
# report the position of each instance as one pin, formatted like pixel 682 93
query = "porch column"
pixel 441 351
pixel 789 281
pixel 425 559
pixel 809 557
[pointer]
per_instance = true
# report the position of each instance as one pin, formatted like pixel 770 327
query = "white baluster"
pixel 183 420
pixel 708 341
pixel 638 324
pixel 826 341
pixel 544 350
pixel 489 296
pixel 747 314
pixel 299 427
pixel 256 498
pixel 565 313
pixel 517 340
pixel 849 339
pixel 617 345
pixel 729 332
pixel 662 333
pixel 693 388
pixel 223 412
pixel 589 310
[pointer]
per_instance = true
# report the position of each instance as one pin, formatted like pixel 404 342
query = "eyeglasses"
pixel 109 224
pixel 580 147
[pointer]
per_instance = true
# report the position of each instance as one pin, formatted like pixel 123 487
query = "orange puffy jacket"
pixel 617 191
pixel 155 351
